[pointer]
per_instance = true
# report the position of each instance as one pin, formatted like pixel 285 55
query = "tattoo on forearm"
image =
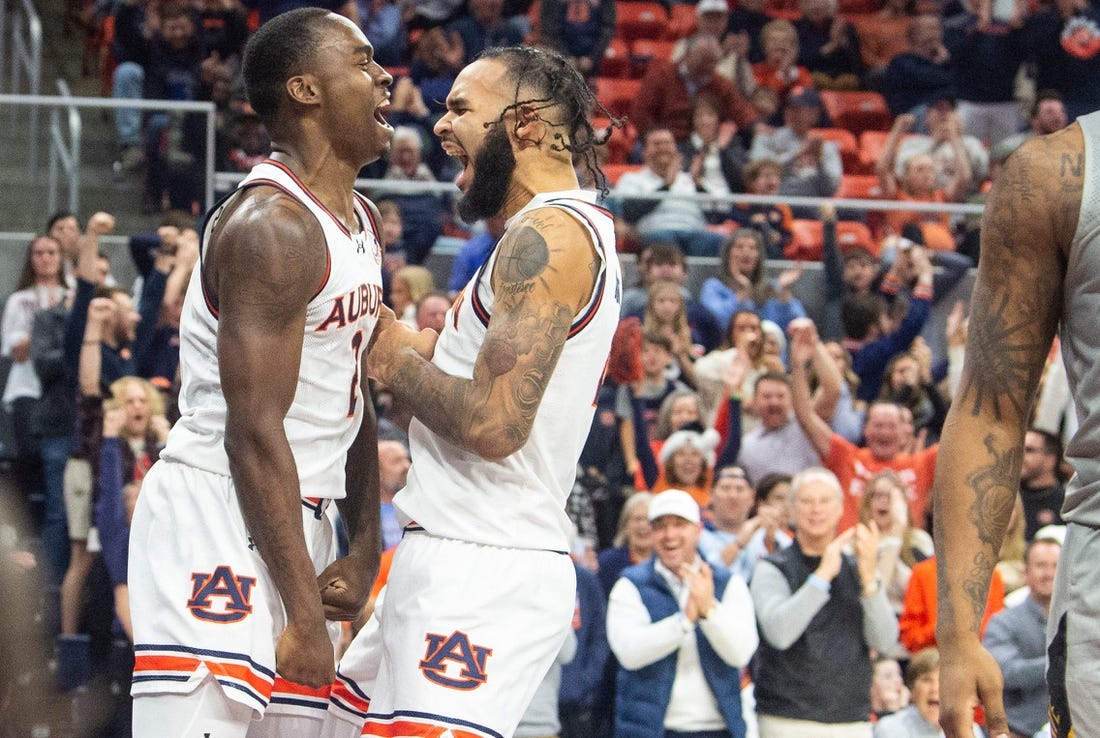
pixel 994 487
pixel 522 346
pixel 1005 349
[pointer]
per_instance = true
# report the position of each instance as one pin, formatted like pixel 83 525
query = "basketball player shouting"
pixel 231 571
pixel 481 593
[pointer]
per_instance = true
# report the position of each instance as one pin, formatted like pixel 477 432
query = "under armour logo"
pixel 251 544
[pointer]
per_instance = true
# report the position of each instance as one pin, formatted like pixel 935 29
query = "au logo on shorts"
pixel 467 660
pixel 221 597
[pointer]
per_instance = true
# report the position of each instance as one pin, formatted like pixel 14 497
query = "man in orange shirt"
pixel 883 432
pixel 917 623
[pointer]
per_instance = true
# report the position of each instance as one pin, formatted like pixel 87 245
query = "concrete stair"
pixel 23 194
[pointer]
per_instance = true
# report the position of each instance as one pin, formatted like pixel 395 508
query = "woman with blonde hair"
pixel 666 314
pixel 901 545
pixel 633 542
pixel 409 285
pixel 132 432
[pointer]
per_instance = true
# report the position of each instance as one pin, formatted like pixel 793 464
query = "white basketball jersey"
pixel 518 501
pixel 325 415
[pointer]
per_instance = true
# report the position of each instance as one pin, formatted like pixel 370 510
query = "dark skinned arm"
pixel 544 274
pixel 263 266
pixel 345 583
pixel 1026 231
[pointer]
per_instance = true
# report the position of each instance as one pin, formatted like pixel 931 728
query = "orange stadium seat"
pixel 634 20
pixel 614 171
pixel 621 141
pixel 858 7
pixel 616 59
pixel 617 94
pixel 681 22
pixel 858 187
pixel 644 50
pixel 846 142
pixel 872 144
pixel 857 111
pixel 808 238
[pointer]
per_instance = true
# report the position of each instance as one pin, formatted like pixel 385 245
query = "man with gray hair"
pixel 422 212
pixel 669 89
pixel 820 612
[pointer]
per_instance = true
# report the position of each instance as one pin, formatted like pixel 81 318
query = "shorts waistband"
pixel 413 528
pixel 317 504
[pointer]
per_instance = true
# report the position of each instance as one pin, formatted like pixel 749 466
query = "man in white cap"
pixel 712 17
pixel 681 633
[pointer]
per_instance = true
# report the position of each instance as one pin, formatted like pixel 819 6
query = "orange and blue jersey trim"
pixel 348 696
pixel 424 725
pixel 365 203
pixel 292 694
pixel 173 663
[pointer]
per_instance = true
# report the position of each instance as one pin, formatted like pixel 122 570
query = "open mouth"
pixel 380 115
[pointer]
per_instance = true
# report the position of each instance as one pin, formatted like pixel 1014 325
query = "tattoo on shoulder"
pixel 1073 165
pixel 525 260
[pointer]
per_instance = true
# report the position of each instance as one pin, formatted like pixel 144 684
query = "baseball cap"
pixel 674 502
pixel 806 97
pixel 712 6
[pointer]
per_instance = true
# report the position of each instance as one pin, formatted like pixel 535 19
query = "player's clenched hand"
pixel 394 339
pixel 345 585
pixel 969 675
pixel 304 655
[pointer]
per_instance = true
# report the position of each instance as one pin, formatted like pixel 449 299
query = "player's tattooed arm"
pixel 1028 225
pixel 545 273
pixel 1027 228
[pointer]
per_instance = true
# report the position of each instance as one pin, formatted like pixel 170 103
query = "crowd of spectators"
pixel 753 505
pixel 739 88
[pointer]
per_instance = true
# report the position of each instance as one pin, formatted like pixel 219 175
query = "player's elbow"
pixel 499 442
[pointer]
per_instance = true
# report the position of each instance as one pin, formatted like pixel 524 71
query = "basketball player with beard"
pixel 482 591
pixel 232 575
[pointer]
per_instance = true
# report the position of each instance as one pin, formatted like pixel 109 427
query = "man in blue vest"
pixel 681 633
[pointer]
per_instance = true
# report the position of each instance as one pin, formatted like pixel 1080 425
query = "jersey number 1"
pixel 356 344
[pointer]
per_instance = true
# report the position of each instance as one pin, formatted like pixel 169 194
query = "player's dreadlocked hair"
pixel 555 83
pixel 277 52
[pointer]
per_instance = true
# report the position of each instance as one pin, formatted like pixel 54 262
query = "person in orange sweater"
pixel 917 623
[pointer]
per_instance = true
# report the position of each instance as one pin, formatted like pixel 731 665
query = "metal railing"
pixel 65 156
pixel 102 103
pixel 225 181
pixel 22 58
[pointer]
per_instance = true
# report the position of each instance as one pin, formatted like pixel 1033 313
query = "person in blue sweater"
pixel 871 336
pixel 741 284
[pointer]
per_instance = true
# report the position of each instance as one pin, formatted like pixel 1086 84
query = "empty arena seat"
pixel 617 94
pixel 846 143
pixel 616 59
pixel 644 50
pixel 634 20
pixel 808 236
pixel 857 111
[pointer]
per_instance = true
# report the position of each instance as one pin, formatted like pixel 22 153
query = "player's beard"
pixel 494 164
